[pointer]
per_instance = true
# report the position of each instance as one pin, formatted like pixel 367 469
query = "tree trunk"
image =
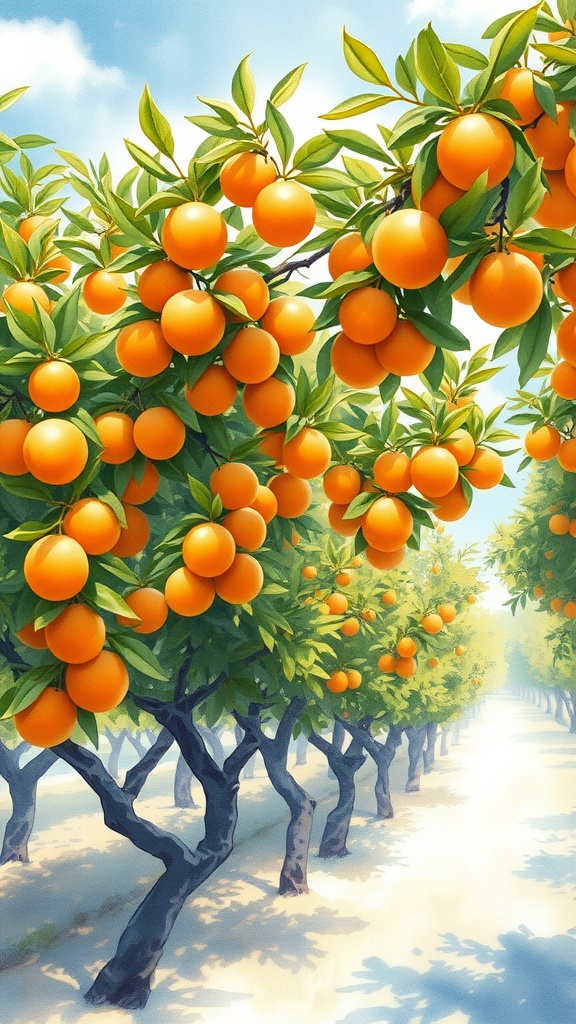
pixel 456 734
pixel 548 703
pixel 302 749
pixel 382 754
pixel 344 766
pixel 211 737
pixel 559 714
pixel 444 741
pixel 138 774
pixel 183 785
pixel 116 741
pixel 429 752
pixel 338 737
pixel 22 785
pixel 135 740
pixel 416 737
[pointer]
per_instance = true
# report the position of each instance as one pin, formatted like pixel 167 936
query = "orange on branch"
pixel 55 451
pixel 284 213
pixel 344 527
pixel 432 623
pixel 159 282
pixel 243 176
pixel 506 289
pixel 406 667
pixel 542 444
pixel 290 321
pixel 104 291
pixel 405 351
pixel 387 663
pixel 308 454
pixel 99 684
pixel 242 582
pixel 138 493
pixel 472 144
pixel 194 235
pixel 159 433
pixel 385 559
pixel 13 434
pixel 550 139
pixel 49 720
pixel 343 579
pixel 389 598
pixel 337 682
pixel 566 337
pixel 294 495
pixel 485 469
pixel 247 527
pixel 142 350
pixel 193 322
pixel 208 549
pixel 349 253
pixel 235 483
pixel 214 392
pixel 392 472
pixel 558 207
pixel 22 295
pixel 341 484
pixel 356 365
pixel 559 524
pixel 563 380
pixel 434 471
pixel 410 248
pixel 188 594
pixel 309 572
pixel 567 454
pixel 77 634
pixel 441 194
pixel 54 385
pixel 451 506
pixel 116 432
pixel 56 568
pixel 248 286
pixel 94 524
pixel 367 315
pixel 252 355
pixel 134 536
pixel 270 403
pixel 406 647
pixel 388 524
pixel 350 627
pixel 265 503
pixel 461 446
pixel 447 613
pixel 151 608
pixel 337 603
pixel 354 678
pixel 517 86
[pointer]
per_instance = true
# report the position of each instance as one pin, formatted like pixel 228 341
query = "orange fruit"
pixel 388 524
pixel 49 720
pixel 559 524
pixel 406 668
pixel 356 365
pixel 22 295
pixel 472 144
pixel 208 549
pixel 439 196
pixel 94 524
pixel 194 235
pixel 192 322
pixel 485 469
pixel 368 614
pixel 405 351
pixel 563 380
pixel 290 321
pixel 309 572
pixel 517 86
pixel 506 289
pixel 294 495
pixel 566 338
pixel 567 455
pixel 265 503
pixel 55 451
pixel 451 506
pixel 134 536
pixel 35 638
pixel 99 684
pixel 348 253
pixel 538 591
pixel 556 604
pixel 76 635
pixel 410 248
pixel 150 606
pixel 251 355
pixel 344 527
pixel 337 603
pixel 558 207
pixel 367 315
pixel 389 598
pixel 471 599
pixel 54 385
pixel 385 559
pixel 270 403
pixel 350 627
pixel 432 623
pixel 29 225
pixel 142 350
pixel 343 579
pixel 354 677
pixel 283 213
pixel 235 483
pixel 159 282
pixel 188 594
pixel 308 454
pixel 116 432
pixel 13 433
pixel 247 527
pixel 214 392
pixel 337 682
pixel 243 176
pixel 104 291
pixel 406 647
pixel 436 569
pixel 570 609
pixel 432 662
pixel 387 663
pixel 434 471
pixel 56 568
pixel 341 484
pixel 159 433
pixel 137 493
pixel 242 582
pixel 460 650
pixel 392 472
pixel 461 446
pixel 550 139
pixel 542 444
pixel 447 613
pixel 272 445
pixel 249 287
pixel 565 281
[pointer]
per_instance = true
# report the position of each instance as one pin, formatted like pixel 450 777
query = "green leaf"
pixel 441 334
pixel 280 132
pixel 75 162
pixel 149 163
pixel 533 344
pixel 108 600
pixel 416 125
pixel 31 530
pixel 244 87
pixel 436 69
pixel 17 248
pixel 161 201
pixel 316 152
pixel 459 216
pixel 137 654
pixel 358 142
pixel 425 171
pixel 357 105
pixel 327 180
pixel 89 725
pixel 201 494
pixel 224 110
pixel 389 387
pixel 361 172
pixel 435 370
pixel 85 423
pixel 154 125
pixel 549 240
pixel 345 283
pixel 525 198
pixel 135 227
pixel 545 95
pixel 561 54
pixel 467 57
pixel 511 41
pixel 8 98
pixel 32 141
pixel 359 505
pixel 363 62
pixel 287 86
pixel 32 683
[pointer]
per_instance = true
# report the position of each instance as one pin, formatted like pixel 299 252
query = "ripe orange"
pixel 472 144
pixel 432 662
pixel 236 483
pixel 142 350
pixel 343 579
pixel 337 682
pixel 405 351
pixel 337 603
pixel 290 321
pixel 150 607
pixel 76 635
pixel 558 207
pixel 354 677
pixel 350 627
pixel 22 295
pixel 13 433
pixel 551 139
pixel 460 650
pixel 556 604
pixel 344 527
pixel 137 493
pixel 242 582
pixel 29 225
pixel 538 591
pixel 387 663
pixel 451 506
pixel 159 433
pixel 436 569
pixel 308 454
pixel 104 291
pixel 566 335
pixel 356 365
pixel 116 432
pixel 348 253
pixel 406 668
pixel 485 469
pixel 55 451
pixel 294 495
pixel 214 392
pixel 563 380
pixel 570 609
pixel 432 623
pixel 506 289
pixel 284 213
pixel 193 322
pixel 410 248
pixel 188 594
pixel 251 355
pixel 570 172
pixel 542 444
pixel 341 484
pixel 559 524
pixel 309 572
pixel 56 568
pixel 159 282
pixel 368 614
pixel 567 455
pixel 54 385
pixel 385 559
pixel 249 287
pixel 270 403
pixel 389 598
pixel 49 720
pixel 447 613
pixel 35 638
pixel 388 524
pixel 517 86
pixel 134 536
pixel 471 599
pixel 247 527
pixel 367 315
pixel 265 503
pixel 406 647
pixel 93 524
pixel 461 446
pixel 99 684
pixel 194 235
pixel 208 549
pixel 439 196
pixel 243 176
pixel 392 472
pixel 272 445
pixel 434 471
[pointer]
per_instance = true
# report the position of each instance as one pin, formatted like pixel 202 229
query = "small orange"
pixel 308 454
pixel 294 495
pixel 247 527
pixel 410 248
pixel 243 176
pixel 406 647
pixel 208 549
pixel 350 627
pixel 252 355
pixel 337 682
pixel 134 536
pixel 367 315
pixel 104 291
pixel 116 432
pixel 432 623
pixel 242 582
pixel 188 594
pixel 389 598
pixel 265 503
pixel 13 433
pixel 270 403
pixel 387 663
pixel 138 493
pixel 54 385
pixel 214 392
pixel 290 321
pixel 142 350
pixel 341 484
pixel 406 668
pixel 151 608
pixel 385 559
pixel 193 322
pixel 94 524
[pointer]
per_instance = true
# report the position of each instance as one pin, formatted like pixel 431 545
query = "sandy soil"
pixel 459 911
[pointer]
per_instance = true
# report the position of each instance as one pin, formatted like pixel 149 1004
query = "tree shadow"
pixel 555 866
pixel 524 980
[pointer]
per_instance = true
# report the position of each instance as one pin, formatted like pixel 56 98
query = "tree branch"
pixel 138 774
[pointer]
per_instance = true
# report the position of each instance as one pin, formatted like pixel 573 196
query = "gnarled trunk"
pixel 382 754
pixel 416 737
pixel 22 785
pixel 344 766
pixel 429 751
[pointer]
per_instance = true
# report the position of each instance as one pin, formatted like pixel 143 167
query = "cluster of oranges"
pixel 403 662
pixel 344 679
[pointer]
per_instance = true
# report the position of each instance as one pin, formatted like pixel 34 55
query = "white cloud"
pixel 50 56
pixel 462 11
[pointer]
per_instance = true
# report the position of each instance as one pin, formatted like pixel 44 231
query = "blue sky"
pixel 86 64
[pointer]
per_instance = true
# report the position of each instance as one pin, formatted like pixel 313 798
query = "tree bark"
pixel 136 777
pixel 183 785
pixel 211 737
pixel 416 737
pixel 429 751
pixel 559 713
pixel 444 740
pixel 382 754
pixel 135 740
pixel 116 741
pixel 338 737
pixel 302 749
pixel 344 766
pixel 22 785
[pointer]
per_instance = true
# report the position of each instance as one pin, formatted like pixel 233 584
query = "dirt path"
pixel 459 911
